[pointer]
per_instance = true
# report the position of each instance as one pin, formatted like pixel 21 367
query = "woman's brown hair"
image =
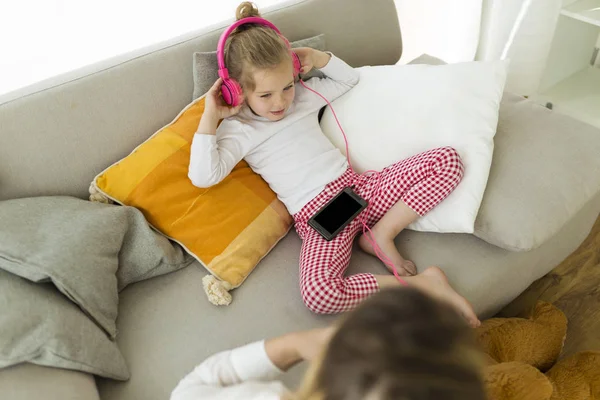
pixel 252 47
pixel 399 344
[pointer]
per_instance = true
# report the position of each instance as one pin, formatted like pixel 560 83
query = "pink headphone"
pixel 231 89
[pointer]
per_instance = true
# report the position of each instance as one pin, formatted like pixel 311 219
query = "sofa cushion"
pixel 39 325
pixel 228 227
pixel 89 251
pixel 29 381
pixel 544 170
pixel 206 67
pixel 427 59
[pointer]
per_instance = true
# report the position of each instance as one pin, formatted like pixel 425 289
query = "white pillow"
pixel 397 111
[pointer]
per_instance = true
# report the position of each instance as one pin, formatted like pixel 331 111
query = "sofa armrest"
pixel 28 381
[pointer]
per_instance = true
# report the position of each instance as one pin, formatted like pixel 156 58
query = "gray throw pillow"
pixel 41 326
pixel 205 68
pixel 89 251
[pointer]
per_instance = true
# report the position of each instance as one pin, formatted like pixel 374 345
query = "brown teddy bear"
pixel 520 350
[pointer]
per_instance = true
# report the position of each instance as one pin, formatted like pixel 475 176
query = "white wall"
pixel 44 38
pixel 531 46
pixel 465 30
pixel 445 29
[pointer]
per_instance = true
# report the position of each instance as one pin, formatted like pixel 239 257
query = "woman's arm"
pixel 245 372
pixel 249 371
pixel 288 350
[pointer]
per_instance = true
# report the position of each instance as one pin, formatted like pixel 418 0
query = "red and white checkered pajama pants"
pixel 421 182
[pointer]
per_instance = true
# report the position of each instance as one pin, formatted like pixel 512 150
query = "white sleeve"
pixel 242 373
pixel 340 77
pixel 213 157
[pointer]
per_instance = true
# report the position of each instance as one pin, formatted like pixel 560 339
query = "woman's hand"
pixel 311 58
pixel 311 343
pixel 287 350
pixel 215 105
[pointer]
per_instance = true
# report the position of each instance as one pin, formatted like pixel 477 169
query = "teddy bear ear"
pixel 548 314
pixel 537 340
pixel 516 381
pixel 577 377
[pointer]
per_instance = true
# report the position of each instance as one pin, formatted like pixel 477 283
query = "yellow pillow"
pixel 228 228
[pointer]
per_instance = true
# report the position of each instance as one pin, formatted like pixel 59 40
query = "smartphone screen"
pixel 338 212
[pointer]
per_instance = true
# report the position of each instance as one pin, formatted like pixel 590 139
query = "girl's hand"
pixel 311 58
pixel 215 105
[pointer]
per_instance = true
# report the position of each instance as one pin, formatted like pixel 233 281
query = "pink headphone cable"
pixel 366 230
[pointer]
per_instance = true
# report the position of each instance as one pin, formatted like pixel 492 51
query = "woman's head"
pixel 260 60
pixel 399 344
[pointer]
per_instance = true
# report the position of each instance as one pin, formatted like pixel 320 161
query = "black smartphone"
pixel 337 213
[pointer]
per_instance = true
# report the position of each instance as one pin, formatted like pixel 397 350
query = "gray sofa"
pixel 57 136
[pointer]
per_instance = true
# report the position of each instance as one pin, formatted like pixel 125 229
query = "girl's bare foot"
pixel 434 282
pixel 403 267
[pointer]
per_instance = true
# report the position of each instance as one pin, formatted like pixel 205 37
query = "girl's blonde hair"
pixel 253 47
pixel 399 344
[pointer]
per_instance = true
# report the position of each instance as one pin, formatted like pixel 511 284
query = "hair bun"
pixel 245 10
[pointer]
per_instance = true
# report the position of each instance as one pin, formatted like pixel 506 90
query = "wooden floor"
pixel 574 287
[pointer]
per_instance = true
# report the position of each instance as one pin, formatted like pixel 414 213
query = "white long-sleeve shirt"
pixel 244 373
pixel 292 155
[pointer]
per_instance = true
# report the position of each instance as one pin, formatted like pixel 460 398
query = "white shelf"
pixel 584 10
pixel 578 96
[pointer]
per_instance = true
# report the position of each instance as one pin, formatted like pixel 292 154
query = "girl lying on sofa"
pixel 272 123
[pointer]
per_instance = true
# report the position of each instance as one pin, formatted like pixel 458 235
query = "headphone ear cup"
pixel 297 64
pixel 231 92
pixel 226 92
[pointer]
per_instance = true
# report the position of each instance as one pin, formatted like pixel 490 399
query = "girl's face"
pixel 274 91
